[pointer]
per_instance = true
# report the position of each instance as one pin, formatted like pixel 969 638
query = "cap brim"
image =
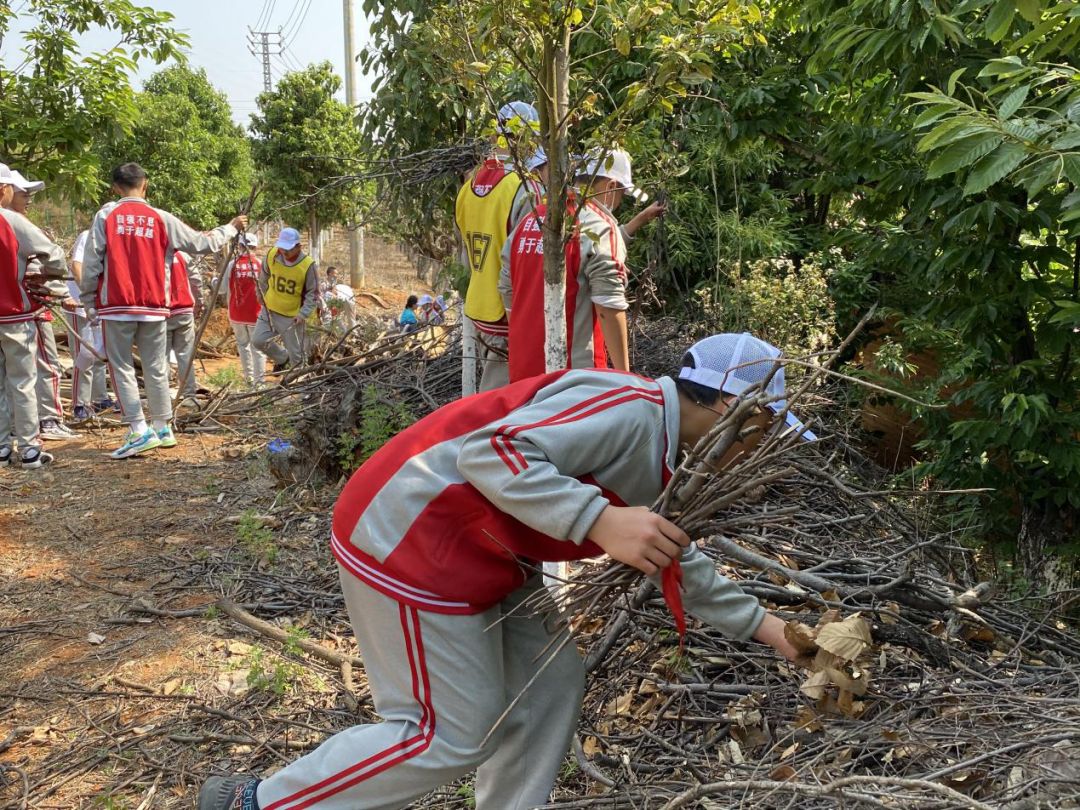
pixel 285 245
pixel 794 423
pixel 637 193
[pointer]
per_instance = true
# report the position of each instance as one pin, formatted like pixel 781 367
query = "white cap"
pixel 425 299
pixel 538 159
pixel 31 186
pixel 12 178
pixel 616 166
pixel 520 110
pixel 735 363
pixel 250 239
pixel 288 239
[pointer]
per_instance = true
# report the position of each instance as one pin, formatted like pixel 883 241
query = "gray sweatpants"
pixel 49 373
pixel 440 682
pixel 150 337
pixel 88 373
pixel 18 373
pixel 493 351
pixel 180 331
pixel 252 361
pixel 269 327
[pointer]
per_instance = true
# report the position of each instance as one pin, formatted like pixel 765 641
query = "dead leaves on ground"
pixel 838 674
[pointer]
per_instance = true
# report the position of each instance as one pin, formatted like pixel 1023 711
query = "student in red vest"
pixel 185 305
pixel 595 275
pixel 241 285
pixel 21 244
pixel 126 283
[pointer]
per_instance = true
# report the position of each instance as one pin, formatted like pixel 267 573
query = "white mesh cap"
pixel 736 363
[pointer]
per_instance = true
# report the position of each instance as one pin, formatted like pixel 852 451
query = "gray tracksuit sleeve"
pixel 93 260
pixel 506 287
pixel 537 482
pixel 603 258
pixel 34 244
pixel 311 291
pixel 715 599
pixel 184 237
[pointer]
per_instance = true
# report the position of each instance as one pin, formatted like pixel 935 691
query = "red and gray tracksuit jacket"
pixel 129 256
pixel 595 274
pixel 183 287
pixel 21 242
pixel 443 516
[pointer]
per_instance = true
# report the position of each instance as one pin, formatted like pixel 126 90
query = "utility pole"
pixel 356 235
pixel 260 46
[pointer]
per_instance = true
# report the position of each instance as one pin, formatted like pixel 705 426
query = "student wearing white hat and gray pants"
pixel 21 243
pixel 90 372
pixel 289 289
pixel 49 371
pixel 558 467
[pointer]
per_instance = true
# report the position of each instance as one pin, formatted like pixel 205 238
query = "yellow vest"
pixel 285 291
pixel 483 217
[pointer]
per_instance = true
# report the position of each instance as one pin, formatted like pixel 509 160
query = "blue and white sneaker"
pixel 166 437
pixel 82 414
pixel 137 443
pixel 5 455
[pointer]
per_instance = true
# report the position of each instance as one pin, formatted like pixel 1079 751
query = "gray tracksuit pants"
pixel 252 361
pixel 150 337
pixel 18 373
pixel 440 682
pixel 180 331
pixel 269 327
pixel 88 373
pixel 49 373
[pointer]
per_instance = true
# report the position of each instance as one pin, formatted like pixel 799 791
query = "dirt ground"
pixel 122 684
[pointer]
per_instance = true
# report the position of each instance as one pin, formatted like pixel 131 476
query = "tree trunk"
pixel 555 100
pixel 554 96
pixel 314 248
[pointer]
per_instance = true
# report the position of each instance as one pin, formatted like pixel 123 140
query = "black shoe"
pixel 229 793
pixel 35 458
pixel 280 367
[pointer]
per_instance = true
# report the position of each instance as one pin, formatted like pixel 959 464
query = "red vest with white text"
pixel 244 303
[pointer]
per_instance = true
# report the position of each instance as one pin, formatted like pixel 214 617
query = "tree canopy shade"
pixel 55 103
pixel 198 160
pixel 304 140
pixel 921 156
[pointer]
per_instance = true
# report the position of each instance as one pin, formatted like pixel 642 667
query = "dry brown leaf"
pixel 829 616
pixel 814 686
pixel 801 637
pixel 892 610
pixel 847 639
pixel 782 773
pixel 591 746
pixel 806 719
pixel 620 705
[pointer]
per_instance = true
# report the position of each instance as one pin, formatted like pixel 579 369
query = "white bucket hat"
pixel 616 166
pixel 736 363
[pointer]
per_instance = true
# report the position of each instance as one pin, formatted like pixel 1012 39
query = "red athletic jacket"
pixel 181 300
pixel 441 516
pixel 21 242
pixel 244 305
pixel 134 281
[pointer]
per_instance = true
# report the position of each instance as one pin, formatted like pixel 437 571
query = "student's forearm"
pixel 76 272
pixel 613 327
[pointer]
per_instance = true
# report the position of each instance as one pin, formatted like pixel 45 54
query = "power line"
pixel 262 14
pixel 292 14
pixel 261 46
pixel 299 24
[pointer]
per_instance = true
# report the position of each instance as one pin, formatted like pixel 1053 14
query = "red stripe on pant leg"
pixel 400 752
pixel 44 355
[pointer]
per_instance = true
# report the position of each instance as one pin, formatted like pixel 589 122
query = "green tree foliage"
pixel 198 160
pixel 55 103
pixel 305 142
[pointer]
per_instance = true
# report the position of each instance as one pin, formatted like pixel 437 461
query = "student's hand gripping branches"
pixel 638 537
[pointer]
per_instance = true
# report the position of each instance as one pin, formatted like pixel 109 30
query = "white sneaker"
pixel 35 457
pixel 52 430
